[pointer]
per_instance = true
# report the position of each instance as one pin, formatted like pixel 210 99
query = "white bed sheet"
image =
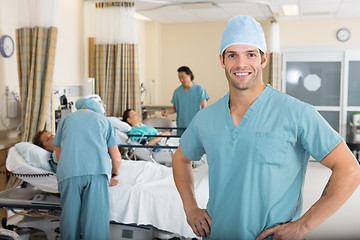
pixel 149 196
pixel 146 193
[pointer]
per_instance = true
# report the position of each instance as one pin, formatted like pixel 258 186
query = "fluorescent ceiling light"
pixel 141 17
pixel 291 10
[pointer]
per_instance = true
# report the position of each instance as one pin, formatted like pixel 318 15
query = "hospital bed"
pixel 144 205
pixel 161 153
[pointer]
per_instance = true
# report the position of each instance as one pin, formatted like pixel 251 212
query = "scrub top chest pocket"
pixel 271 148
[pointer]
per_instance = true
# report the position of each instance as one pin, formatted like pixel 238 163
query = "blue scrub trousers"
pixel 85 207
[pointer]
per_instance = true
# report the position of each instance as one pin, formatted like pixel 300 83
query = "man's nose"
pixel 241 61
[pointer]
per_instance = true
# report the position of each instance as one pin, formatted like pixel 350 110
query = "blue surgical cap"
pixel 244 30
pixel 88 103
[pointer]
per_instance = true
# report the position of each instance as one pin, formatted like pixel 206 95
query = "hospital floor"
pixel 31 234
pixel 27 233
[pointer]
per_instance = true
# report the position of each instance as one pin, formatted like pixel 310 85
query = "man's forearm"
pixel 171 110
pixel 115 159
pixel 184 181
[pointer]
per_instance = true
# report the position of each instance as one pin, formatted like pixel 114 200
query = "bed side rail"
pixel 154 135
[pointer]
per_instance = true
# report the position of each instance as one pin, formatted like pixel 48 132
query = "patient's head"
pixel 44 139
pixel 132 118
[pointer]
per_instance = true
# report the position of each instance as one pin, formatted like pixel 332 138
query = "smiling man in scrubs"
pixel 87 151
pixel 258 142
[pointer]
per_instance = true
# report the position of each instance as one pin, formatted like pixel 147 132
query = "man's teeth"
pixel 241 74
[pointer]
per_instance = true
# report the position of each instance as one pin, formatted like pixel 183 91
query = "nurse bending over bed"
pixel 133 118
pixel 44 139
pixel 83 143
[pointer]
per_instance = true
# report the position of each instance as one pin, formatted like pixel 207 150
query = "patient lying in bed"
pixel 145 194
pixel 161 152
pixel 131 117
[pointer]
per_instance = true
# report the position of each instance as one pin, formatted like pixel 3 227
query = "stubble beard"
pixel 239 85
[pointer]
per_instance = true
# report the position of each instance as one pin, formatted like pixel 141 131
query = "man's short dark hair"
pixel 126 115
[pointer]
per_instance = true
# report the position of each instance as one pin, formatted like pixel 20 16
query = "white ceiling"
pixel 187 11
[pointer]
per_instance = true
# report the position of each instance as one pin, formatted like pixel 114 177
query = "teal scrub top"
pixel 143 130
pixel 188 103
pixel 84 137
pixel 257 169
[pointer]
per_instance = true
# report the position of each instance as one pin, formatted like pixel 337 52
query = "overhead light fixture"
pixel 291 10
pixel 142 17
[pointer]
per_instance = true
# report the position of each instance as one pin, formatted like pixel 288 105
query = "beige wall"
pixel 70 47
pixel 196 46
pixel 319 32
pixel 70 62
pixel 152 62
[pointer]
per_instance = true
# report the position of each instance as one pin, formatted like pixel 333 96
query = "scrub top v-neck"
pixel 248 115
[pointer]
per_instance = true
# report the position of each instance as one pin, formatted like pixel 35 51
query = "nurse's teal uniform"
pixel 188 103
pixel 257 169
pixel 82 174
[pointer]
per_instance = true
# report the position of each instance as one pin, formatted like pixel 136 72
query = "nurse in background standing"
pixel 188 99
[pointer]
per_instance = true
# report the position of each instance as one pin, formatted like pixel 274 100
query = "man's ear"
pixel 264 60
pixel 222 60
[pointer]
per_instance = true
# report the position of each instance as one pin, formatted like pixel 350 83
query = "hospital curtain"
pixel 274 59
pixel 116 74
pixel 35 49
pixel 275 70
